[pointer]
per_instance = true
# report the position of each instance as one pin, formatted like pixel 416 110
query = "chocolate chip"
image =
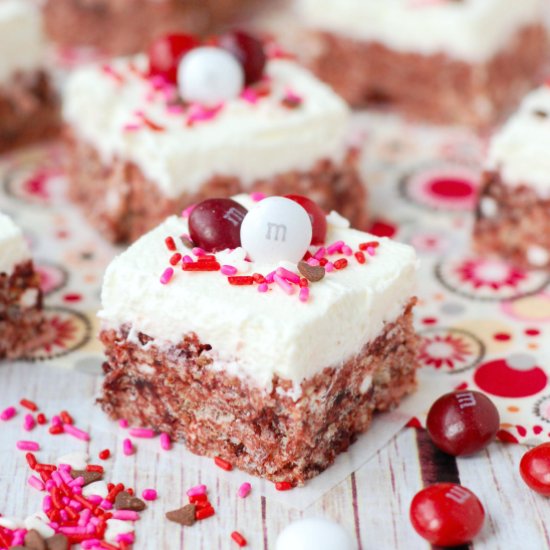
pixel 34 541
pixel 58 542
pixel 89 477
pixel 183 516
pixel 312 273
pixel 126 501
pixel 540 113
pixel 187 242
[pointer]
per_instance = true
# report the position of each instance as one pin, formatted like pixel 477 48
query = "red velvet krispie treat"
pixel 29 107
pixel 259 331
pixel 444 61
pixel 119 27
pixel 21 320
pixel 513 213
pixel 147 137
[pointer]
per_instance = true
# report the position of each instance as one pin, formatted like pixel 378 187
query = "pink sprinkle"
pixel 29 423
pixel 285 286
pixel 69 530
pixel 165 442
pixel 250 95
pixel 175 109
pixel 166 276
pixel 335 247
pixel 126 515
pixel 371 251
pixel 198 251
pixel 304 294
pixel 127 538
pixel 228 270
pixel 269 277
pixel 33 481
pixel 77 481
pixel 106 504
pixel 320 253
pixel 329 266
pixel 244 489
pixel 142 432
pixel 127 447
pixel 132 127
pixel 85 517
pixel 313 262
pixel 346 250
pixel 149 494
pixel 288 275
pixel 187 259
pixel 187 212
pixel 196 490
pixel 76 432
pixel 8 413
pixel 56 421
pixel 27 445
pixel 262 287
pixel 65 476
pixel 198 113
pixel 47 503
pixel 257 196
pixel 123 423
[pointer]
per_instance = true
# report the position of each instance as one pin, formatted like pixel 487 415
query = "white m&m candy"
pixel 276 229
pixel 314 534
pixel 209 76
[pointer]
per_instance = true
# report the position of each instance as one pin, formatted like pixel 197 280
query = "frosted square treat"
pixel 512 216
pixel 276 365
pixel 139 151
pixel 29 107
pixel 21 320
pixel 449 61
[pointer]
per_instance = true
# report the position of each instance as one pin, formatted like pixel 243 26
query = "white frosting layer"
pixel 21 37
pixel 257 335
pixel 250 141
pixel 470 30
pixel 521 149
pixel 13 247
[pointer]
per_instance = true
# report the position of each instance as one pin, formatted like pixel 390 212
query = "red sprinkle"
pixel 31 405
pixel 104 454
pixel 371 244
pixel 201 266
pixel 241 280
pixel 175 259
pixel 56 429
pixel 170 244
pixel 203 513
pixel 304 282
pixel 238 538
pixel 31 460
pixel 283 486
pixel 341 263
pixel 66 418
pixel 94 468
pixel 194 499
pixel 41 418
pixel 223 464
pixel 360 257
pixel 323 262
pixel 258 278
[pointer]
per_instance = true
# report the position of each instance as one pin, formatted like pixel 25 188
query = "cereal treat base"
pixel 432 88
pixel 29 110
pixel 513 223
pixel 127 204
pixel 270 435
pixel 22 326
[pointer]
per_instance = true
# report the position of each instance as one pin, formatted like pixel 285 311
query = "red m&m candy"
pixel 166 52
pixel 535 469
pixel 316 215
pixel 215 224
pixel 462 422
pixel 447 514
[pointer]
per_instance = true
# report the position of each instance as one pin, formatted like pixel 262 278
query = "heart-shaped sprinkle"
pixel 183 516
pixel 89 477
pixel 126 501
pixel 312 273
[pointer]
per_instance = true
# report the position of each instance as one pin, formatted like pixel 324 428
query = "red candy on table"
pixel 463 422
pixel 447 514
pixel 316 215
pixel 166 52
pixel 215 224
pixel 248 50
pixel 535 469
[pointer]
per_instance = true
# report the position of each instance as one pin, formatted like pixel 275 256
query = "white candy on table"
pixel 210 76
pixel 276 229
pixel 77 460
pixel 314 534
pixel 98 488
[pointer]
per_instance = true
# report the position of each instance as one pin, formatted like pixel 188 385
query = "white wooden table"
pixel 372 504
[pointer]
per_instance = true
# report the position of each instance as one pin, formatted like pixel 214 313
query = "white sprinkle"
pixel 77 460
pixel 98 488
pixel 537 256
pixel 117 527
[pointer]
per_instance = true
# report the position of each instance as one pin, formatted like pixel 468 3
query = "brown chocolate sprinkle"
pixel 187 242
pixel 126 501
pixel 58 542
pixel 183 516
pixel 291 102
pixel 89 477
pixel 34 541
pixel 540 113
pixel 312 273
